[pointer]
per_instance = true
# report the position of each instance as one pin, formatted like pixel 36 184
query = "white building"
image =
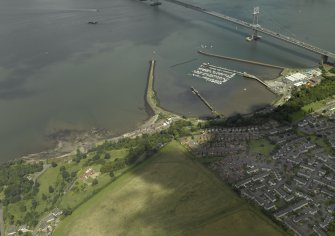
pixel 295 78
pixel 298 84
pixel 314 72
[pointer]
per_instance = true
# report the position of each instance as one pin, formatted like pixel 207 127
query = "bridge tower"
pixel 255 25
pixel 324 59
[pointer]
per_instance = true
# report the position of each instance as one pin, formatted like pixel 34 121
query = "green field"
pixel 308 109
pixel 261 146
pixel 242 222
pixel 169 194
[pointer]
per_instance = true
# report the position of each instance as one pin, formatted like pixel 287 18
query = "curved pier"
pixel 150 98
pixel 246 75
pixel 151 101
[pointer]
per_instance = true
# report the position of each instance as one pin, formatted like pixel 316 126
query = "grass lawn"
pixel 314 105
pixel 261 146
pixel 169 194
pixel 322 143
pixel 82 191
pixel 118 153
pixel 242 222
pixel 14 209
pixel 307 109
pixel 2 195
pixel 298 115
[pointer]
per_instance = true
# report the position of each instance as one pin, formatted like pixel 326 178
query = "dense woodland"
pixel 15 182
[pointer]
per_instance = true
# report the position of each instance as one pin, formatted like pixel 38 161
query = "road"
pixel 45 167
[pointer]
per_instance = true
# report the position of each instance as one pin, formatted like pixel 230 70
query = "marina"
pixel 213 74
pixel 220 75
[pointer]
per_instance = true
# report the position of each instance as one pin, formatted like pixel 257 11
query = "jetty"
pixel 246 75
pixel 249 76
pixel 241 60
pixel 211 108
pixel 151 101
pixel 150 96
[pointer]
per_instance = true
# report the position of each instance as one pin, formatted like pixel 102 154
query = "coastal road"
pixel 45 167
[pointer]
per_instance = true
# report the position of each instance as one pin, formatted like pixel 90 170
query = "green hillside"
pixel 169 194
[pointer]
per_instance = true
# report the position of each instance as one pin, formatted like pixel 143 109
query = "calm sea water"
pixel 57 72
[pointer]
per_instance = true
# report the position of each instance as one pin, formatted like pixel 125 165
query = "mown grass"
pixel 82 191
pixel 118 153
pixel 169 194
pixel 322 142
pixel 50 177
pixel 308 109
pixel 261 146
pixel 243 222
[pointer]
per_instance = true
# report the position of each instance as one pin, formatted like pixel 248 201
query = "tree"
pixel 34 203
pixel 107 156
pixel 18 222
pixel 65 174
pixel 67 211
pixel 44 197
pixel 23 208
pixel 54 164
pixel 78 152
pixel 331 226
pixel 95 182
pixel 51 189
pixel 73 174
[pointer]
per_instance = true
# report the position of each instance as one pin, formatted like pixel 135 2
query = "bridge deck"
pixel 258 28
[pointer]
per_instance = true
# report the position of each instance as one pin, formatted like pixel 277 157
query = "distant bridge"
pixel 257 28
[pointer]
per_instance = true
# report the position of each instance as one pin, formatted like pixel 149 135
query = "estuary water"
pixel 59 73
